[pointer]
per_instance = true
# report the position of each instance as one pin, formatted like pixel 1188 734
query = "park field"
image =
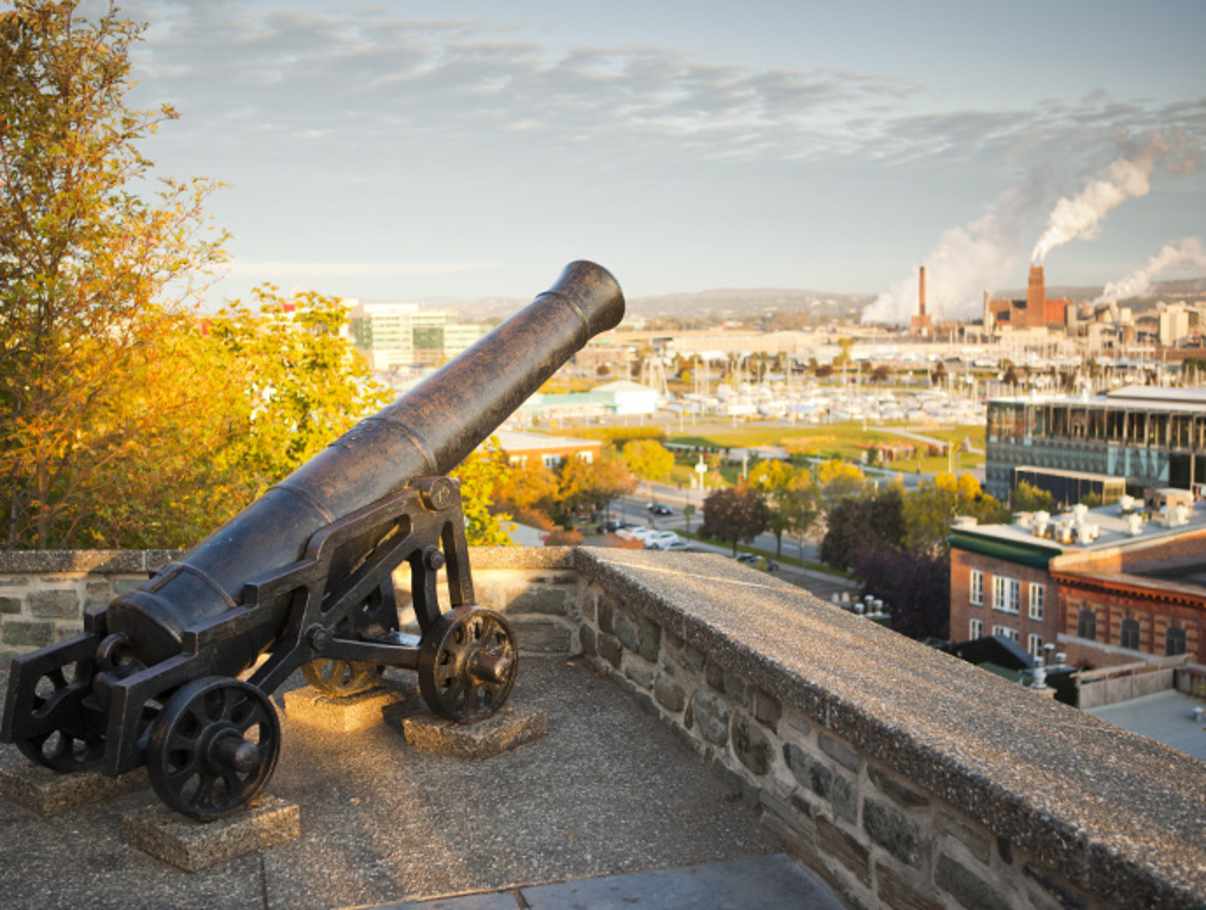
pixel 842 440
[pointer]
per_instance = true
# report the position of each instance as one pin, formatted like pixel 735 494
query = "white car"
pixel 660 540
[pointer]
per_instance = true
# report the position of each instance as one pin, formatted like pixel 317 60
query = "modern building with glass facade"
pixel 1147 436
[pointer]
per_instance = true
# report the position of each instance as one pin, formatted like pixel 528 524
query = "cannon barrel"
pixel 427 431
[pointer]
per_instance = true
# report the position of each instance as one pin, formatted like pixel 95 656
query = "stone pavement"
pixel 608 790
pixel 752 882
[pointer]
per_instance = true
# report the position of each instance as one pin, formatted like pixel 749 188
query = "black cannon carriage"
pixel 177 675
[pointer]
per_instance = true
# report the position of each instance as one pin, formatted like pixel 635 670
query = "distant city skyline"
pixel 460 150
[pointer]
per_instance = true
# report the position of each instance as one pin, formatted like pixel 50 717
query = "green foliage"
pixel 481 475
pixel 735 514
pixel 618 436
pixel 1026 497
pixel 791 499
pixel 930 509
pixel 648 459
pixel 860 523
pixel 91 275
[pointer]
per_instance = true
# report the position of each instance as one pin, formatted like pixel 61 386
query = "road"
pixel 633 509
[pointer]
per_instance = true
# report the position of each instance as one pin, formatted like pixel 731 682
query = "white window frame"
pixel 1038 600
pixel 1034 644
pixel 1006 594
pixel 1005 632
pixel 975 588
pixel 975 629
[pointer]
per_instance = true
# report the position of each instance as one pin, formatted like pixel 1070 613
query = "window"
pixel 975 629
pixel 1086 624
pixel 1005 632
pixel 588 457
pixel 1174 641
pixel 1034 644
pixel 1130 634
pixel 1038 597
pixel 1006 594
pixel 977 589
pixel 552 462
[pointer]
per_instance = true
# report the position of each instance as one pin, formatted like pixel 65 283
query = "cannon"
pixel 178 674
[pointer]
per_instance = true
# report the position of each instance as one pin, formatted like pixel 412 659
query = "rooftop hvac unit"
pixel 1126 504
pixel 1134 524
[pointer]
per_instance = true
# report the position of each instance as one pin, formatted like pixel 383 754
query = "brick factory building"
pixel 921 326
pixel 1147 436
pixel 553 451
pixel 1107 586
pixel 1034 311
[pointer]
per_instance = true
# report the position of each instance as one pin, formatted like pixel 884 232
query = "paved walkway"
pixel 755 882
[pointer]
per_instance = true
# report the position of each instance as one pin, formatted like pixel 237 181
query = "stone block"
pixel 54 604
pixel 767 709
pixel 507 728
pixel 10 605
pixel 965 886
pixel 650 638
pixel 845 849
pixel 977 842
pixel 892 830
pixel 610 649
pixel 737 689
pixel 47 793
pixel 839 752
pixel 711 713
pixel 542 636
pixel 822 780
pixel 308 707
pixel 1053 890
pixel 192 846
pixel 896 790
pixel 553 600
pixel 607 612
pixel 750 744
pixel 670 695
pixel 639 671
pixel 126 585
pixel 714 674
pixel 13 581
pixel 627 630
pixel 26 632
pixel 679 652
pixel 898 894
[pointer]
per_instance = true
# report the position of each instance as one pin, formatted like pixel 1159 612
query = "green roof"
pixel 1024 554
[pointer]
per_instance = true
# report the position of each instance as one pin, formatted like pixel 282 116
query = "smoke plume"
pixel 1080 215
pixel 981 254
pixel 1139 283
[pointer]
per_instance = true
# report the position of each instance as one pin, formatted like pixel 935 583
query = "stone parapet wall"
pixel 905 777
pixel 43 593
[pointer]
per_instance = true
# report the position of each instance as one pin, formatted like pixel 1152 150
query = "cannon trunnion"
pixel 178 674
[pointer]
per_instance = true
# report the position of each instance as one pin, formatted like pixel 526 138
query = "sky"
pixel 417 150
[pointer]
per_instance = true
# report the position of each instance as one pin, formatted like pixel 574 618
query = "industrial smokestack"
pixel 1036 297
pixel 921 292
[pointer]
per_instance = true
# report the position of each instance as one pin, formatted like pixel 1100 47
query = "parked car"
pixel 658 509
pixel 678 545
pixel 614 526
pixel 660 539
pixel 758 562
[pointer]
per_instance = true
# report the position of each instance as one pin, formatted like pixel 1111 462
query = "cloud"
pixel 276 269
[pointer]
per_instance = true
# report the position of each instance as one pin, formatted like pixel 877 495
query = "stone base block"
pixel 311 708
pixel 508 728
pixel 47 793
pixel 191 845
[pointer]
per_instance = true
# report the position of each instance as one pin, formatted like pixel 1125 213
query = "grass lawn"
pixel 843 440
pixel 769 554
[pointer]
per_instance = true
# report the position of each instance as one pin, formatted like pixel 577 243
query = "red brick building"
pixel 1116 596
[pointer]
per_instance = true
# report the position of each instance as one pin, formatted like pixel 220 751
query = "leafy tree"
pixel 930 509
pixel 586 487
pixel 916 589
pixel 481 475
pixel 735 514
pixel 88 268
pixel 648 459
pixel 1027 497
pixel 789 496
pixel 529 486
pixel 860 523
pixel 839 479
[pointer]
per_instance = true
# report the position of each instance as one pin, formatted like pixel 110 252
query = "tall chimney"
pixel 1036 297
pixel 921 292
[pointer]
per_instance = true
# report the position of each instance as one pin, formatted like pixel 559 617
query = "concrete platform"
pixel 752 882
pixel 308 707
pixel 46 793
pixel 512 726
pixel 614 791
pixel 193 846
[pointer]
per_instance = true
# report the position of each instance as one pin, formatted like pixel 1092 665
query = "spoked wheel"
pixel 467 664
pixel 342 678
pixel 213 747
pixel 72 746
